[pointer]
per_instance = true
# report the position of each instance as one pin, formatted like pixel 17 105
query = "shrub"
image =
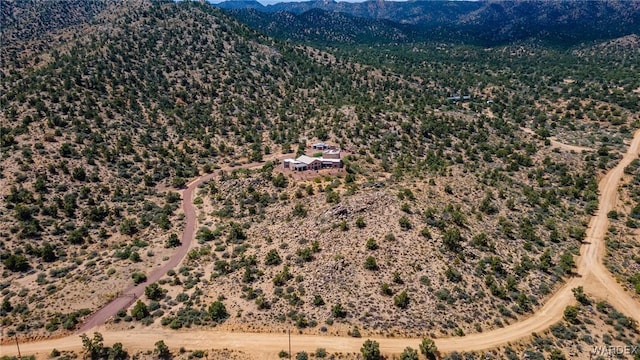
pixel 218 311
pixel 370 350
pixel 401 300
pixel 321 353
pixel 370 264
pixel 451 239
pixel 299 210
pixel 272 258
pixel 429 349
pixel 140 311
pixel 128 227
pixel 16 263
pixel 162 350
pixel 385 289
pixel 154 292
pixel 173 241
pixel 571 314
pixel 317 300
pixel 338 311
pixel 409 354
pixel 138 277
pixel 405 224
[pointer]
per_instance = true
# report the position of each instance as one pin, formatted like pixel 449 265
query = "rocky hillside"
pixel 464 209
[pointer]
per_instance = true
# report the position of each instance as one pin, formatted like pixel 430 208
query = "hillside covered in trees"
pixel 486 23
pixel 449 217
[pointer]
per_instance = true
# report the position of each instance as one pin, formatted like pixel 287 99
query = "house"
pixel 320 146
pixel 331 154
pixel 459 98
pixel 329 160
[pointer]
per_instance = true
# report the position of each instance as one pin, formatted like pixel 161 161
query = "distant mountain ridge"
pixel 322 26
pixel 240 4
pixel 486 22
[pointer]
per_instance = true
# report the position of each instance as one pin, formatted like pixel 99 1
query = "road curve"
pixel 555 144
pixel 130 294
pixel 599 280
pixel 592 274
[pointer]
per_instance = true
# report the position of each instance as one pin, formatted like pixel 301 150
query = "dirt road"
pixel 559 145
pixel 130 294
pixel 591 274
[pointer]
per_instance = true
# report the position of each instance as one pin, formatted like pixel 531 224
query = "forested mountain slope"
pixel 449 217
pixel 488 23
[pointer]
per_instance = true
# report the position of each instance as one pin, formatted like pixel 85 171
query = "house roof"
pixel 306 159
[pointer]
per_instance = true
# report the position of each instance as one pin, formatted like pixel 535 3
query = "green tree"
pixel 117 352
pixel 579 294
pixel 48 253
pixel 405 223
pixel 272 258
pixel 567 263
pixel 338 311
pixel 128 226
pixel 429 349
pixel 140 311
pixel 138 277
pixel 401 300
pixel 154 292
pixel 162 350
pixel 409 354
pixel 16 263
pixel 571 314
pixel 218 311
pixel 172 241
pixel 93 348
pixel 370 264
pixel 370 350
pixel 452 239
